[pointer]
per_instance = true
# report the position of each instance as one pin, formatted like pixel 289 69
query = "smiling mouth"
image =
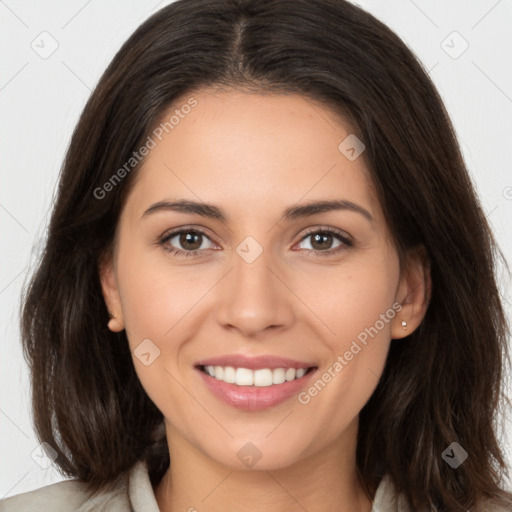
pixel 263 377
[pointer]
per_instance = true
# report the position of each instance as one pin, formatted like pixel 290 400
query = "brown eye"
pixel 186 242
pixel 190 241
pixel 326 241
pixel 320 241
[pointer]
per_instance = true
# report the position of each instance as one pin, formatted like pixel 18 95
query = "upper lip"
pixel 255 362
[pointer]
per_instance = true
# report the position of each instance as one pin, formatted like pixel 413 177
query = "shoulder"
pixel 387 499
pixel 66 496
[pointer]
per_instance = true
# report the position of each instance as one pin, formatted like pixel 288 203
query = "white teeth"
pixel 244 377
pixel 219 372
pixel 278 376
pixel 290 374
pixel 259 378
pixel 263 377
pixel 229 375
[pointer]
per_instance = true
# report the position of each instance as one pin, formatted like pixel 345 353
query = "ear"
pixel 414 292
pixel 110 290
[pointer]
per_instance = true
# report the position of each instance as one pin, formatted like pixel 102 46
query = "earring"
pixel 404 324
pixel 114 324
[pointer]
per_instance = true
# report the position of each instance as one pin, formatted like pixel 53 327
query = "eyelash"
pixel 178 252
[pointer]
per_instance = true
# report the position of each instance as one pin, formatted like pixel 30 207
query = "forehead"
pixel 250 150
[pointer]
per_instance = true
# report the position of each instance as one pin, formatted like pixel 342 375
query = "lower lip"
pixel 255 398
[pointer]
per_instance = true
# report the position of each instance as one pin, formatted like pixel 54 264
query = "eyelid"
pixel 327 229
pixel 345 239
pixel 185 229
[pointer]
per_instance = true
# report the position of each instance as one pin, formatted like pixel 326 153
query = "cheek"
pixel 350 300
pixel 156 299
pixel 358 307
pixel 155 305
pixel 158 303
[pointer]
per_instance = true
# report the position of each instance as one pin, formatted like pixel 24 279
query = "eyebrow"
pixel 293 212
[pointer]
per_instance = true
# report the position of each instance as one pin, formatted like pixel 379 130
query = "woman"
pixel 268 281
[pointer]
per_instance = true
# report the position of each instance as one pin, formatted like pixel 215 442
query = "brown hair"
pixel 441 384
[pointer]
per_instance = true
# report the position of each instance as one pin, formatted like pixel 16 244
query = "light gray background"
pixel 41 99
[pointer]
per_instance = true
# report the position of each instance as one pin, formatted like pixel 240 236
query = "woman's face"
pixel 254 273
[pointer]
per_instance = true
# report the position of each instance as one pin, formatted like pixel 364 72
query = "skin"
pixel 254 155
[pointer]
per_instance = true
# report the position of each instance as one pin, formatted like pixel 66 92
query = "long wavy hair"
pixel 441 384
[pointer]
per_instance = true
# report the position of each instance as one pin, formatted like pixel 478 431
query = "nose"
pixel 255 298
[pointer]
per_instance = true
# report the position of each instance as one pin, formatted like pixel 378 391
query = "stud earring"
pixel 114 324
pixel 404 324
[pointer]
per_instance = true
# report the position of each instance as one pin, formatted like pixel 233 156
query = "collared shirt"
pixel 134 493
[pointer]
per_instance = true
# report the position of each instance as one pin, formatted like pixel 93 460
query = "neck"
pixel 323 482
